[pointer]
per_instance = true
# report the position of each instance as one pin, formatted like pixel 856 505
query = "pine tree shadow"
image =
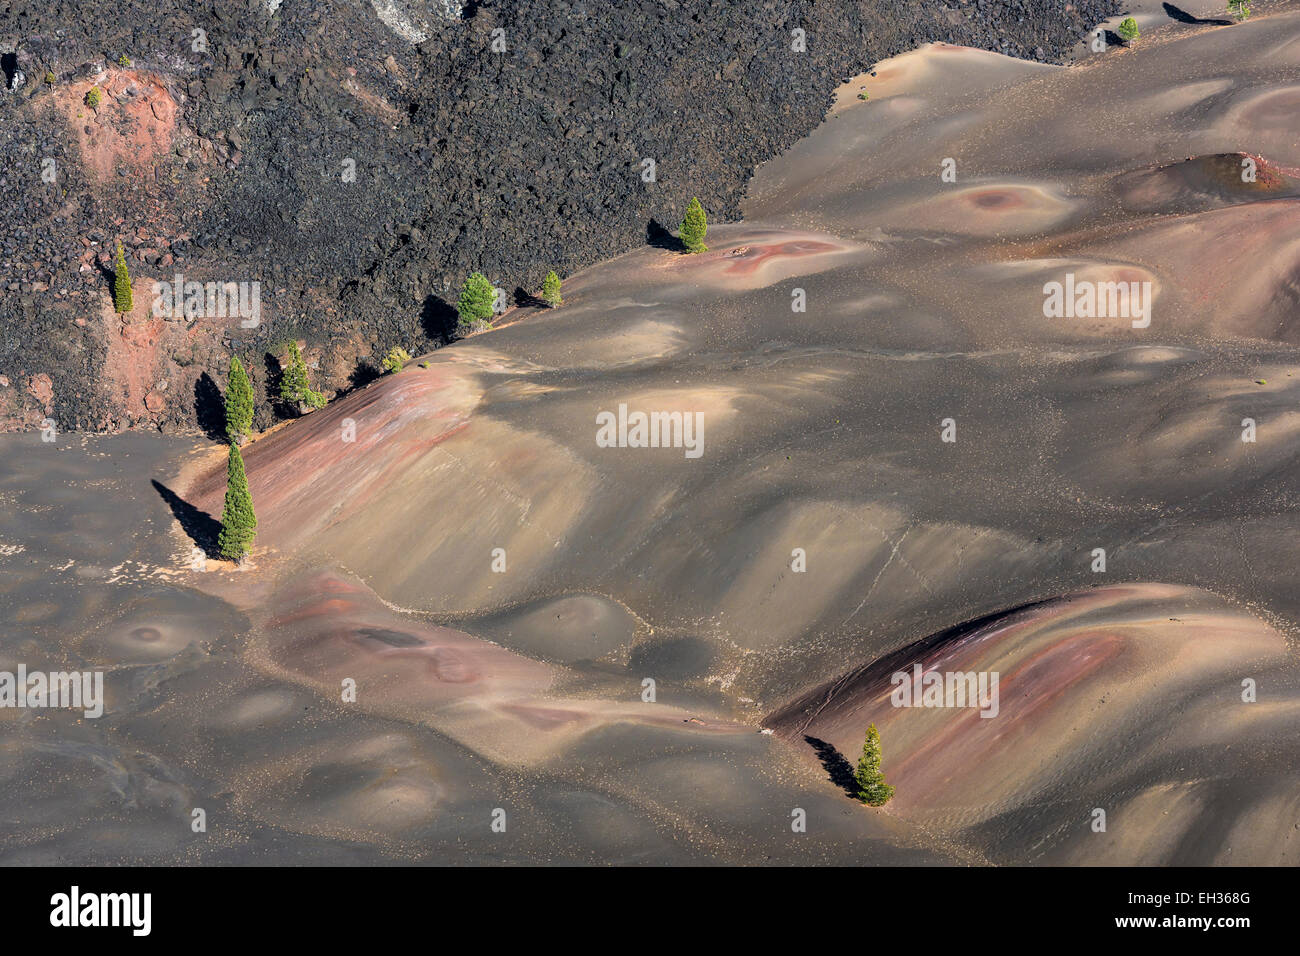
pixel 439 319
pixel 109 276
pixel 200 526
pixel 837 768
pixel 274 375
pixel 1182 16
pixel 209 408
pixel 363 374
pixel 659 237
pixel 524 299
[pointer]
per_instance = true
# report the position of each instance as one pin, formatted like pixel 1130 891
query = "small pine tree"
pixel 122 301
pixel 238 523
pixel 1128 30
pixel 872 789
pixel 551 290
pixel 293 376
pixel 295 389
pixel 239 403
pixel 694 226
pixel 396 359
pixel 1239 9
pixel 93 96
pixel 476 298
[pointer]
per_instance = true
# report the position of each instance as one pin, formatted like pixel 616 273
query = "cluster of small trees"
pixel 477 300
pixel 475 305
pixel 238 520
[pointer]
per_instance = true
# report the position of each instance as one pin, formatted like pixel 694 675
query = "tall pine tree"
pixel 121 283
pixel 694 226
pixel 239 403
pixel 238 523
pixel 872 789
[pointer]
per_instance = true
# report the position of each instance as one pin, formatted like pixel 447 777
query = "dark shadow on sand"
pixel 525 299
pixel 838 769
pixel 659 237
pixel 1182 16
pixel 201 527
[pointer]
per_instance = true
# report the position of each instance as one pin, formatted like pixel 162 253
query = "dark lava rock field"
pixel 357 158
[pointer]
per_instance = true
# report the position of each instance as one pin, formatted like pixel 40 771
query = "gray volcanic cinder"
pixel 989 394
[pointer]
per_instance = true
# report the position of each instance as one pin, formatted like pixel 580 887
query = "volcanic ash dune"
pixel 896 435
pixel 1103 698
pixel 335 634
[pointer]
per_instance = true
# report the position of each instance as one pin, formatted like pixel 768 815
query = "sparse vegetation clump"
pixel 295 389
pixel 1239 9
pixel 122 300
pixel 239 403
pixel 238 522
pixel 694 226
pixel 50 77
pixel 1128 30
pixel 551 290
pixel 864 95
pixel 93 97
pixel 872 789
pixel 123 60
pixel 396 359
pixel 476 297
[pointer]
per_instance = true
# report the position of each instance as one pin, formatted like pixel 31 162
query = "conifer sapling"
pixel 122 301
pixel 476 298
pixel 238 523
pixel 396 359
pixel 694 226
pixel 551 290
pixel 872 789
pixel 239 403
pixel 295 389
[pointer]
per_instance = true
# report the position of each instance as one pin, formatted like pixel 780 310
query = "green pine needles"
pixel 396 359
pixel 239 403
pixel 872 789
pixel 295 389
pixel 122 301
pixel 694 226
pixel 476 298
pixel 238 523
pixel 1128 30
pixel 551 290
